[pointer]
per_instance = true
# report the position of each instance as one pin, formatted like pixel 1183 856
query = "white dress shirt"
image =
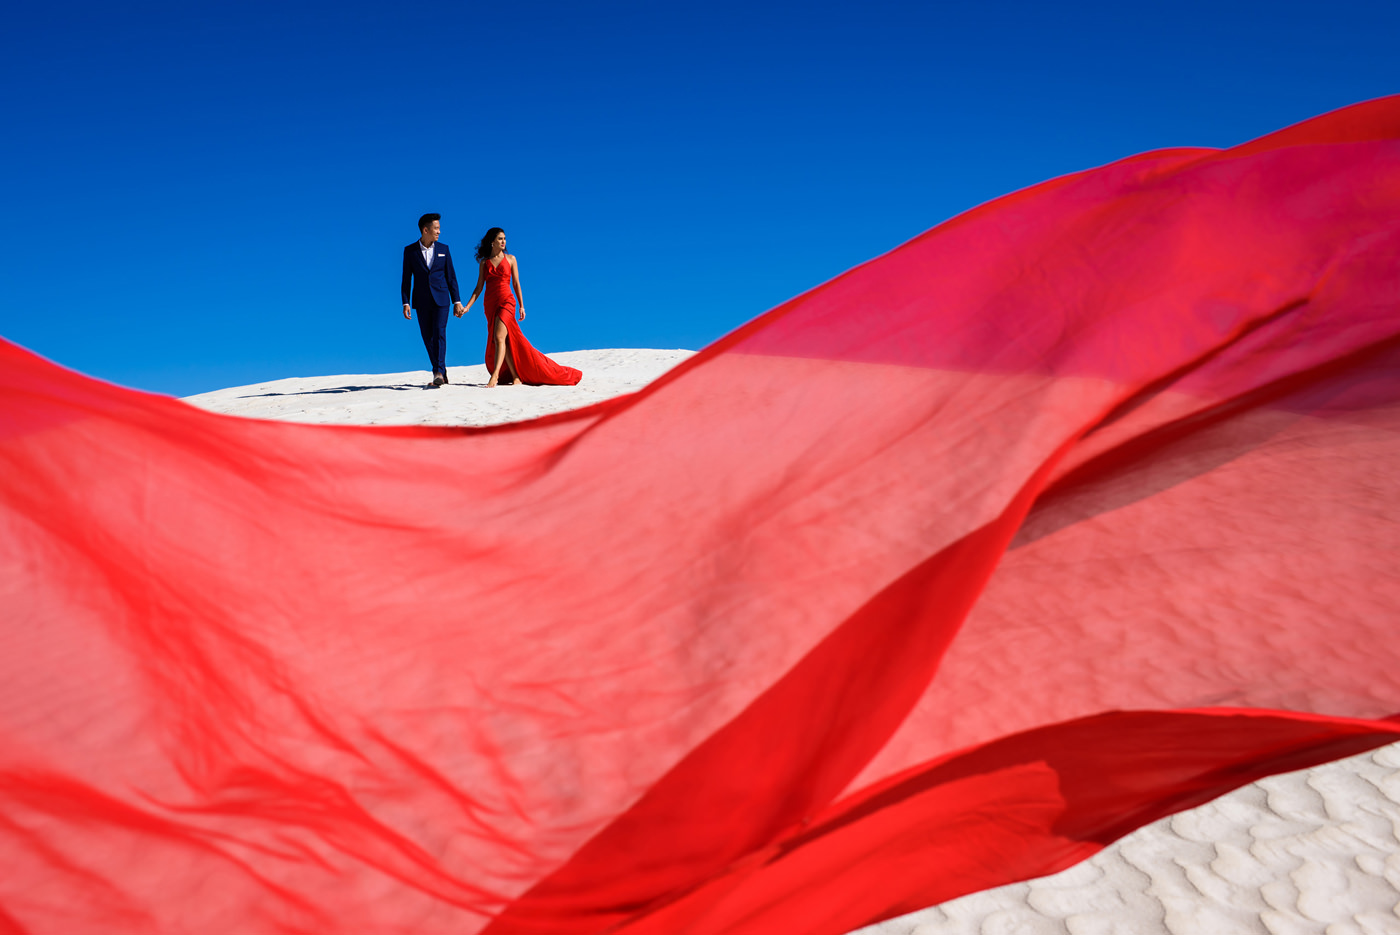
pixel 427 253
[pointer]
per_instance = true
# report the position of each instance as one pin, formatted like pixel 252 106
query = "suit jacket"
pixel 429 288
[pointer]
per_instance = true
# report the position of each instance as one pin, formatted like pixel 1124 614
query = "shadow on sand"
pixel 400 387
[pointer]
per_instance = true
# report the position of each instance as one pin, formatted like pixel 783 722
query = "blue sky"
pixel 201 195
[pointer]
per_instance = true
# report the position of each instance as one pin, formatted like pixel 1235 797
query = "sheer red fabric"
pixel 533 368
pixel 1075 511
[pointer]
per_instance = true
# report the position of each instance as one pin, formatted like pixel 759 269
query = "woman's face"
pixel 499 244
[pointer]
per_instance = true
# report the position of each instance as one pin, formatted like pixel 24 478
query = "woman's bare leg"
pixel 500 335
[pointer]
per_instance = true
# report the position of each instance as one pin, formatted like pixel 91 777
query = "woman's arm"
pixel 480 279
pixel 515 280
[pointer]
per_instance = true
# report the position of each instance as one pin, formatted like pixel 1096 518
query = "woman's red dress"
pixel 521 357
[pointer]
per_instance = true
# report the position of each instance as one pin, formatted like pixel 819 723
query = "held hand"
pixel 459 310
pixel 407 313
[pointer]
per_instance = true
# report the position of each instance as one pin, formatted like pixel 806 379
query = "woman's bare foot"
pixel 490 383
pixel 518 382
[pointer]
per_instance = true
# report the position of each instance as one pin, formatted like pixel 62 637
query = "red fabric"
pixel 522 359
pixel 1072 512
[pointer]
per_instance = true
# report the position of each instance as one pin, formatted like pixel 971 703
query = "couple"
pixel 429 281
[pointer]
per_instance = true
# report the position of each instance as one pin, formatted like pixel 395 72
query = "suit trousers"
pixel 432 325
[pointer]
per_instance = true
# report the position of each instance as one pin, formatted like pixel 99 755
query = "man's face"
pixel 432 232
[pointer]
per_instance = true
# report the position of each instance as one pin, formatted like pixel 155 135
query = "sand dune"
pixel 405 398
pixel 1317 851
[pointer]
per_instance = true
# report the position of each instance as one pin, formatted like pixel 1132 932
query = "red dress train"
pixel 1100 520
pixel 529 364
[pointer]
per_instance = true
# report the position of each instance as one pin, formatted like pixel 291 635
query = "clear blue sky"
pixel 198 195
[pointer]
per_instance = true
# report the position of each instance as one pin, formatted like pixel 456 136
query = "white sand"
pixel 406 399
pixel 1316 851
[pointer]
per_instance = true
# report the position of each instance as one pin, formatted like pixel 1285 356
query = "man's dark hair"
pixel 426 220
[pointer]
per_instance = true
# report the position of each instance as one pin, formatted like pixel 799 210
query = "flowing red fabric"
pixel 498 301
pixel 1077 510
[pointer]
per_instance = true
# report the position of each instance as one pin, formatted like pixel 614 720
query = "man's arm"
pixel 407 282
pixel 452 284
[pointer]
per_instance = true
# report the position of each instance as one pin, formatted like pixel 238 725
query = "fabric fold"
pixel 1074 511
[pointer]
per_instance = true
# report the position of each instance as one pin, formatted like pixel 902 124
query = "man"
pixel 429 284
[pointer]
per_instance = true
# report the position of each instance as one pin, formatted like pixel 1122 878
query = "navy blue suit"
pixel 432 292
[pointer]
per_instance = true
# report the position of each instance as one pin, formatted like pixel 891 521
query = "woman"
pixel 506 346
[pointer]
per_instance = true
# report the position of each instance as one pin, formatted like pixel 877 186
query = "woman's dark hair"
pixel 483 249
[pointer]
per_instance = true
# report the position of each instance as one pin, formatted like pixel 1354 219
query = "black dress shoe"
pixel 444 377
pixel 438 379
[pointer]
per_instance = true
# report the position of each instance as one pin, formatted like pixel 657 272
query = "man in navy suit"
pixel 429 284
